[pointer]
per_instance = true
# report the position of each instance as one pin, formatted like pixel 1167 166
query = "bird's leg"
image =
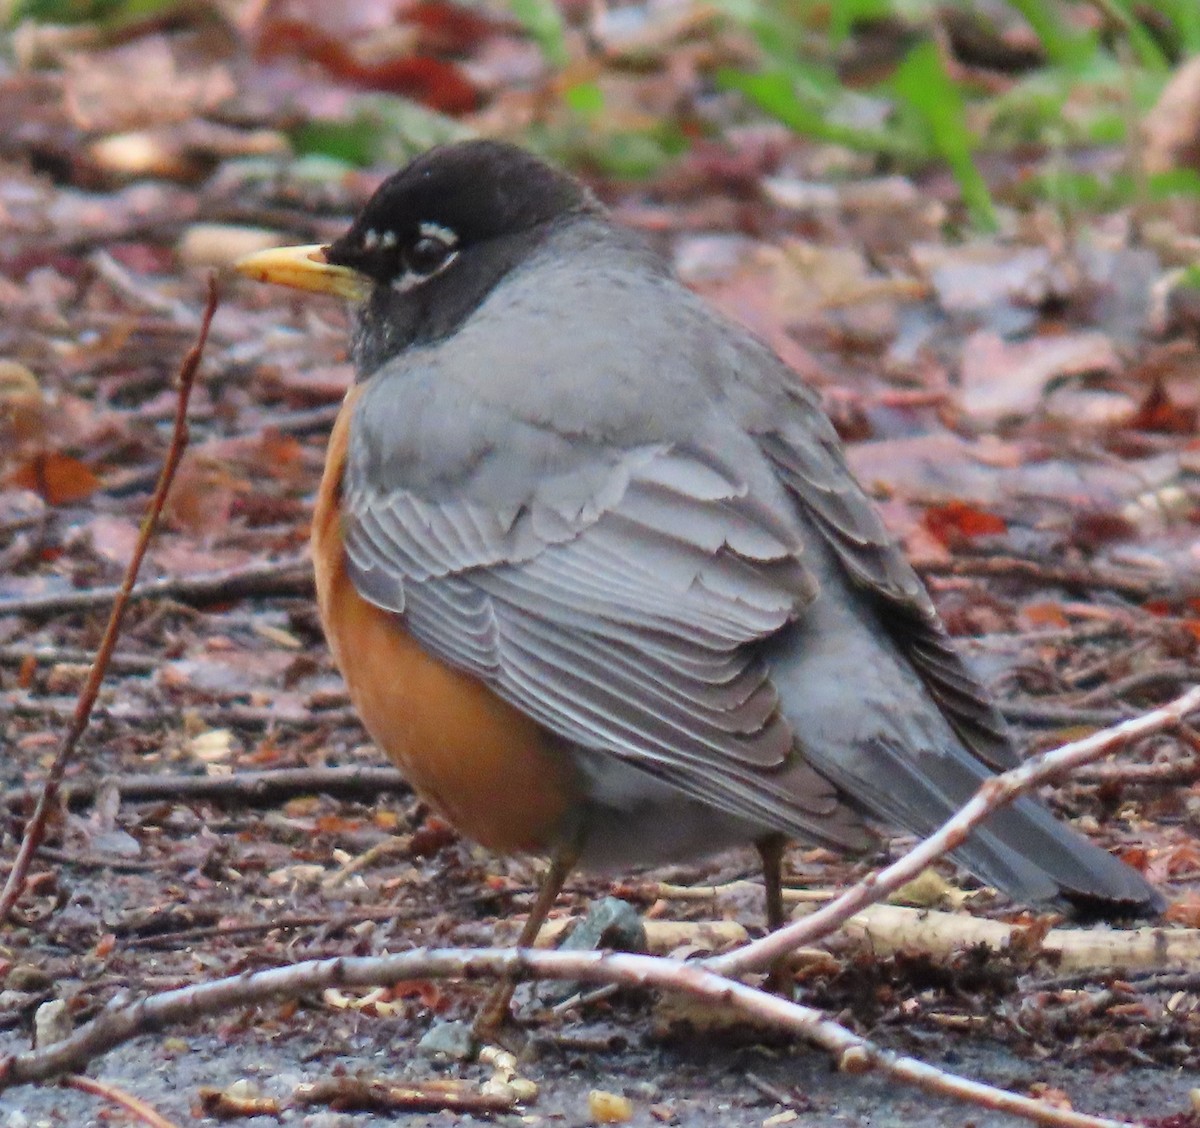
pixel 770 850
pixel 495 1013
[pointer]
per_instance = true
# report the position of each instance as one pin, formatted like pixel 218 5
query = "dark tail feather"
pixel 1035 858
pixel 1022 849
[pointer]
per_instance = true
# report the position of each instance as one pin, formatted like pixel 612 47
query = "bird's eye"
pixel 428 254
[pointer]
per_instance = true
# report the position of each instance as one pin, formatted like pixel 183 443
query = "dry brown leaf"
pixel 60 479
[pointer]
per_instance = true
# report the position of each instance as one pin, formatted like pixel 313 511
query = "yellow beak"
pixel 304 268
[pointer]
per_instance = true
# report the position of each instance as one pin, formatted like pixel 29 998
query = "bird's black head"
pixel 437 237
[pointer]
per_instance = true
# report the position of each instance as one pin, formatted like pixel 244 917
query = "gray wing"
pixel 808 455
pixel 616 605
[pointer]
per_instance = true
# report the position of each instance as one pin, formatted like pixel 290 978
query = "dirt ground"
pixel 689 1085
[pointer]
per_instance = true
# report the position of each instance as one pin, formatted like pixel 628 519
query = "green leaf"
pixel 776 28
pixel 1185 16
pixel 351 142
pixel 923 83
pixel 1190 277
pixel 1145 47
pixel 114 13
pixel 585 98
pixel 846 13
pixel 1174 182
pixel 775 92
pixel 1065 47
pixel 1074 191
pixel 378 130
pixel 544 23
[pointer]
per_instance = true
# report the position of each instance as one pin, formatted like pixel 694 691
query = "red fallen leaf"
pixel 60 479
pixel 267 752
pixel 1181 858
pixel 1048 615
pixel 1093 529
pixel 1158 412
pixel 202 495
pixel 447 28
pixel 430 994
pixel 956 520
pixel 434 82
pixel 336 824
pixel 433 835
pixel 1137 857
pixel 1185 911
pixel 282 456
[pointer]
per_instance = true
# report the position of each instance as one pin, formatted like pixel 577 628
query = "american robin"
pixel 595 570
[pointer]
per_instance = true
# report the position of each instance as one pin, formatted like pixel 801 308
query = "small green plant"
pixel 1088 91
pixel 925 112
pixel 112 13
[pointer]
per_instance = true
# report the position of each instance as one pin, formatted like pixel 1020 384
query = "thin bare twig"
pixel 1133 584
pixel 122 1020
pixel 72 655
pixel 247 787
pixel 994 793
pixel 1031 712
pixel 291 576
pixel 1186 770
pixel 36 827
pixel 131 1104
pixel 22 704
pixel 1162 674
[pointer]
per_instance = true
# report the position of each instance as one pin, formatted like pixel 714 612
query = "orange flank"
pixel 491 770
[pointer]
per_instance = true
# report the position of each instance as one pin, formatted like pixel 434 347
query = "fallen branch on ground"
pixel 1160 773
pixel 22 704
pixel 122 1020
pixel 1030 712
pixel 1137 585
pixel 885 929
pixel 993 794
pixel 291 576
pixel 36 827
pixel 249 787
pixel 73 655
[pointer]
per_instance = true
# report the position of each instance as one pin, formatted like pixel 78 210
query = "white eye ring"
pixel 428 255
pixel 436 231
pixel 411 279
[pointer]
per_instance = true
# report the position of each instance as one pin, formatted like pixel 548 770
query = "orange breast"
pixel 487 767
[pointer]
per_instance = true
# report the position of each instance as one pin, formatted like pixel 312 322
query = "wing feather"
pixel 620 620
pixel 808 455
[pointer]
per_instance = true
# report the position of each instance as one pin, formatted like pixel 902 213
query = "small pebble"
pixel 523 1089
pixel 448 1041
pixel 609 1108
pixel 51 1023
pixel 610 923
pixel 27 977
